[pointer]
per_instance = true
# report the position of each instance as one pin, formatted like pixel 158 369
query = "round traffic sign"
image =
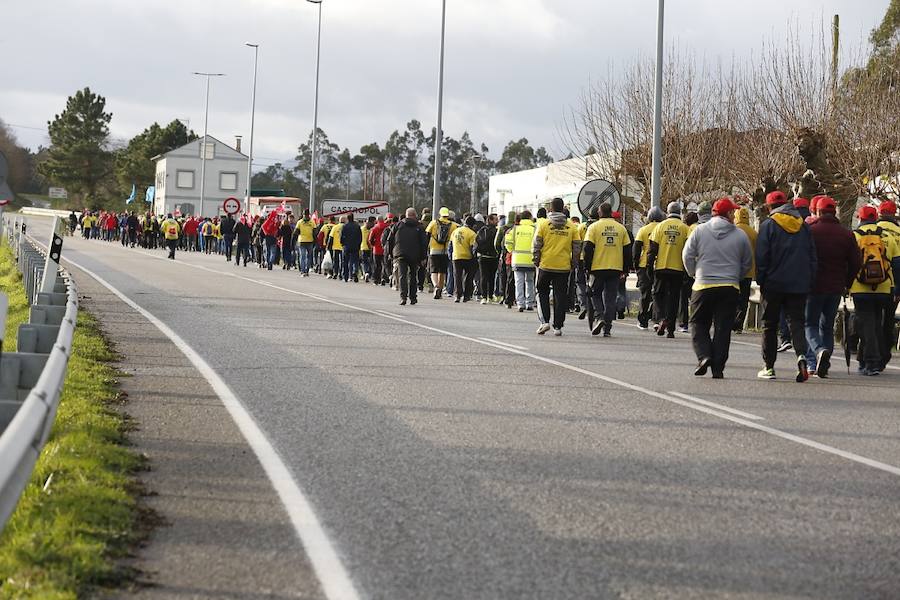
pixel 4 201
pixel 596 192
pixel 231 206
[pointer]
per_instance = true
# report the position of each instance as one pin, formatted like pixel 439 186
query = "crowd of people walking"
pixel 695 269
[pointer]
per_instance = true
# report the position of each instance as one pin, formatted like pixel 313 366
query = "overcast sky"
pixel 512 66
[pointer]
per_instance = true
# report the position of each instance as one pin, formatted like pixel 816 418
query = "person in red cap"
pixel 887 220
pixel 716 256
pixel 786 264
pixel 813 209
pixel 874 291
pixel 838 263
pixel 802 205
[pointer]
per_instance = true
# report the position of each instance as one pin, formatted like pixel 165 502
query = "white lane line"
pixel 335 580
pixel 893 367
pixel 733 411
pixel 863 460
pixel 384 312
pixel 503 343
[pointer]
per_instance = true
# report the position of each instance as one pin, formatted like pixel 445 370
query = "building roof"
pixel 197 143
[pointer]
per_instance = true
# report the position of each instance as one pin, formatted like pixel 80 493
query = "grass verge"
pixel 79 513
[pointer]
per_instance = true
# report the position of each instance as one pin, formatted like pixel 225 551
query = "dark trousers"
pixel 869 312
pixel 715 308
pixel 509 296
pixel 229 244
pixel 407 275
pixel 378 275
pixel 684 300
pixel 645 286
pixel 622 297
pixel 742 304
pixel 888 328
pixel 794 307
pixel 488 272
pixel 350 268
pixel 604 289
pixel 560 284
pixel 464 277
pixel 171 245
pixel 667 289
pixel 337 263
pixel 243 249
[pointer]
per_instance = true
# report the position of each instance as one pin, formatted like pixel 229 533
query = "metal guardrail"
pixel 31 379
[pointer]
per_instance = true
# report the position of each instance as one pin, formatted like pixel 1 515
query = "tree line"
pixel 83 159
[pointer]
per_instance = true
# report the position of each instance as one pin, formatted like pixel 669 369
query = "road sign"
pixel 4 201
pixel 57 192
pixel 231 206
pixel 364 209
pixel 596 192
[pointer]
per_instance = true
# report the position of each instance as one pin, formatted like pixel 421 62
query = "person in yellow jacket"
pixel 555 249
pixel 887 220
pixel 518 242
pixel 170 230
pixel 742 221
pixel 336 247
pixel 365 249
pixel 607 256
pixel 666 245
pixel 874 290
pixel 440 232
pixel 640 255
pixel 305 231
pixel 464 262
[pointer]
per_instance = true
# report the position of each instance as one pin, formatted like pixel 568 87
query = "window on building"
pixel 184 179
pixel 228 181
pixel 210 150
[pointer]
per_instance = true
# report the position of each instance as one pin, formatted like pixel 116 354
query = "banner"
pixel 130 198
pixel 151 194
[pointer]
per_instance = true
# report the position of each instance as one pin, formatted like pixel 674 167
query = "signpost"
pixel 3 203
pixel 231 206
pixel 336 208
pixel 57 192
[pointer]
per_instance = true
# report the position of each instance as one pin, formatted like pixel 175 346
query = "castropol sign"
pixel 371 208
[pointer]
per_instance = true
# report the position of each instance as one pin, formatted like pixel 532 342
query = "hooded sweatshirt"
pixel 556 244
pixel 786 260
pixel 837 253
pixel 717 254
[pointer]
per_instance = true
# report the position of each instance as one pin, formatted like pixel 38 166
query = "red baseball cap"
pixel 616 215
pixel 776 197
pixel 801 203
pixel 867 213
pixel 390 216
pixel 724 205
pixel 825 204
pixel 888 208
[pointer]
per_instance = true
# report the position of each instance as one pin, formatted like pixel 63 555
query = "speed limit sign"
pixel 231 206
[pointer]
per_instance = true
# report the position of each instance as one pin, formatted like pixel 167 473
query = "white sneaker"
pixel 484 301
pixel 544 328
pixel 557 332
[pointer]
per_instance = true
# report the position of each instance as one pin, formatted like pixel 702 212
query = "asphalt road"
pixel 449 452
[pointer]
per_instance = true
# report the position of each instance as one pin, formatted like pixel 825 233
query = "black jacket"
pixel 410 241
pixel 351 236
pixel 242 231
pixel 226 227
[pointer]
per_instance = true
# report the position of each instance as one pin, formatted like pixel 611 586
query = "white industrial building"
pixel 178 178
pixel 528 190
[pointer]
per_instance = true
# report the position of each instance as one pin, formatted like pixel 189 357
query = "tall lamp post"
pixel 476 159
pixel 252 122
pixel 656 191
pixel 205 133
pixel 438 137
pixel 315 140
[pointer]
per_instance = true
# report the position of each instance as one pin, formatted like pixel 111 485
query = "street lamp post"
pixel 315 140
pixel 438 136
pixel 477 159
pixel 656 191
pixel 205 133
pixel 252 122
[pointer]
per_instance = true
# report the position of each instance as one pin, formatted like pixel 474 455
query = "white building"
pixel 178 178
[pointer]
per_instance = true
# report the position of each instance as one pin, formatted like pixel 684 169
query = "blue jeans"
pixel 306 256
pixel 821 311
pixel 287 255
pixel 271 250
pixel 350 265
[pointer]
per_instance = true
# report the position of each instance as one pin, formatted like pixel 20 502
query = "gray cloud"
pixel 513 66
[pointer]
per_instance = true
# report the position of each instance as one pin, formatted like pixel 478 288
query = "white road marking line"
pixel 733 411
pixel 503 343
pixel 336 582
pixel 893 367
pixel 875 464
pixel 384 312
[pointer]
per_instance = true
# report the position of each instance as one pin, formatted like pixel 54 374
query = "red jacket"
pixel 838 256
pixel 190 227
pixel 375 238
pixel 112 222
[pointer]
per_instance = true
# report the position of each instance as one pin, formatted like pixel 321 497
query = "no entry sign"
pixel 231 206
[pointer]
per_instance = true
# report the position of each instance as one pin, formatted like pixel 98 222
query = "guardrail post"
pixel 4 306
pixel 51 267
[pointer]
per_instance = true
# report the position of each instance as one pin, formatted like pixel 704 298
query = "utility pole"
pixel 438 136
pixel 656 191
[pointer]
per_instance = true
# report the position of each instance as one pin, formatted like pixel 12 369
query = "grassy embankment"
pixel 79 513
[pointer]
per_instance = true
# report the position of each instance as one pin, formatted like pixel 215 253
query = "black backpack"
pixel 443 232
pixel 484 241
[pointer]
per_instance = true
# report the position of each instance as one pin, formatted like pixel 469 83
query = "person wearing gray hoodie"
pixel 716 256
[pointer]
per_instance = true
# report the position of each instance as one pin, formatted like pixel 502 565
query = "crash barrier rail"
pixel 31 379
pixel 47 212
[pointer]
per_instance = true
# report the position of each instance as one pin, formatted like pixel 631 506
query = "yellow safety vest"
pixel 522 237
